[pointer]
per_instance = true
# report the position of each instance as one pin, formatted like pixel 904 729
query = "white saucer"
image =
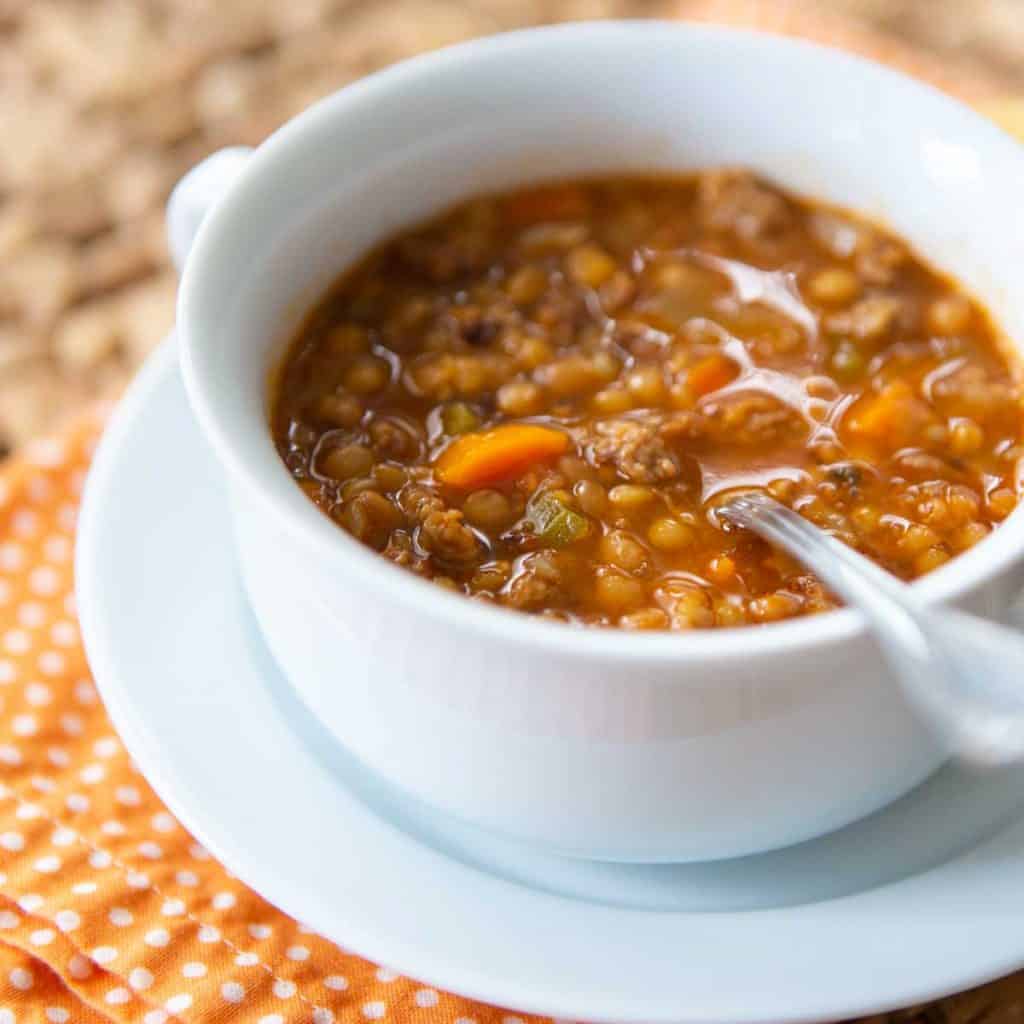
pixel 921 900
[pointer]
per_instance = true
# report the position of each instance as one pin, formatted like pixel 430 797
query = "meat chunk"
pixel 540 583
pixel 395 438
pixel 752 418
pixel 446 536
pixel 636 447
pixel 737 202
pixel 870 319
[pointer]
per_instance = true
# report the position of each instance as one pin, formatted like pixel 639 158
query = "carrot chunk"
pixel 710 374
pixel 473 460
pixel 894 415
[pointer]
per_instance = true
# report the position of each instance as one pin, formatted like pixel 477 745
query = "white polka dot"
pixel 247 959
pixel 79 967
pixel 198 852
pixel 100 859
pixel 51 663
pixel 162 822
pixel 260 931
pixel 232 991
pixel 8 919
pixel 271 1018
pixel 64 633
pixel 9 754
pixel 6 672
pixel 38 694
pixel 45 451
pixel 24 725
pixel 118 996
pixel 12 557
pixel 177 1003
pixel 121 917
pixel 284 989
pixel 72 724
pixel 31 614
pixel 16 641
pixel 113 828
pixel 30 902
pixel 28 812
pixel 44 580
pixel 173 908
pixel 62 836
pixel 336 982
pixel 77 802
pixel 321 1015
pixel 297 953
pixel 85 692
pixel 512 1020
pixel 104 954
pixel 465 1020
pixel 48 865
pixel 57 1015
pixel 224 900
pixel 43 784
pixel 386 974
pixel 127 795
pixel 187 878
pixel 158 937
pixel 157 1016
pixel 373 1010
pixel 58 757
pixel 194 969
pixel 67 517
pixel 42 937
pixel 84 888
pixel 140 979
pixel 150 850
pixel 70 604
pixel 106 747
pixel 137 880
pixel 426 997
pixel 56 548
pixel 21 978
pixel 207 934
pixel 24 522
pixel 7 1016
pixel 92 774
pixel 66 920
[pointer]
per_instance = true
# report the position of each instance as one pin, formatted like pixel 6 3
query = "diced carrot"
pixel 550 202
pixel 473 460
pixel 710 374
pixel 895 414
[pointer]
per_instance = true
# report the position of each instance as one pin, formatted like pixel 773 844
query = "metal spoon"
pixel 965 675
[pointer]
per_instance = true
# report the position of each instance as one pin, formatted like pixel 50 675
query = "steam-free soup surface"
pixel 538 399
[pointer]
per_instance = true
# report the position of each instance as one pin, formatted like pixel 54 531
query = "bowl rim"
pixel 300 520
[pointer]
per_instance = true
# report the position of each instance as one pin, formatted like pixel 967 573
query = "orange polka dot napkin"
pixel 109 910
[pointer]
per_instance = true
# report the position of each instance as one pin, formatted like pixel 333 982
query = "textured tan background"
pixel 104 103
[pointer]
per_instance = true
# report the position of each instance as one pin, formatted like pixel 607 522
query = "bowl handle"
pixel 195 195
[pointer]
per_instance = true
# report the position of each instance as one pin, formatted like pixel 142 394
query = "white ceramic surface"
pixel 910 904
pixel 600 744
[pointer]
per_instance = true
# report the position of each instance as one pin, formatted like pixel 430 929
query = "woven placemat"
pixel 104 105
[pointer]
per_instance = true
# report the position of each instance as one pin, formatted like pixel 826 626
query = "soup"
pixel 539 398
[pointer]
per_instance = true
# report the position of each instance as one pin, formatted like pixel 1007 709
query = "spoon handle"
pixel 965 675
